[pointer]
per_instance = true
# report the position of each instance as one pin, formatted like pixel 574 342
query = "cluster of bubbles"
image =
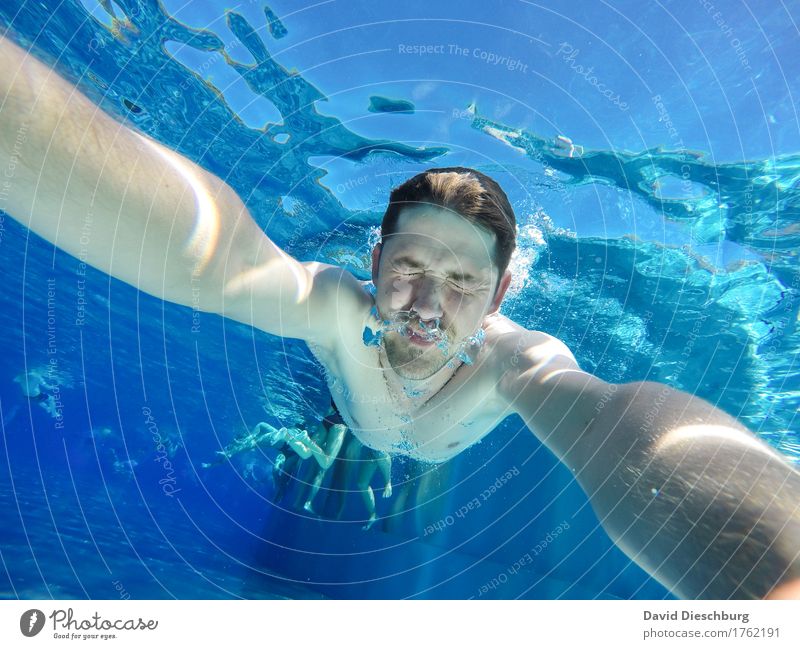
pixel 468 350
pixel 430 331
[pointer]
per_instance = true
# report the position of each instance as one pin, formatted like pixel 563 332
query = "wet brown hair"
pixel 468 192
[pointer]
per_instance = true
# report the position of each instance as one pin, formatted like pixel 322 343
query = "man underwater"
pixel 681 487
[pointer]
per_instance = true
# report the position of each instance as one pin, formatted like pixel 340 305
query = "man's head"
pixel 447 239
pixel 466 192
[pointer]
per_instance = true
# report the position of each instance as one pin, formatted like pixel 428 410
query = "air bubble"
pixel 400 322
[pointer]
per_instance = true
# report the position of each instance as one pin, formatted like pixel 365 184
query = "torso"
pixel 432 426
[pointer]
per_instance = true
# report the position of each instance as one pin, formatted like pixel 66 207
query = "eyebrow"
pixel 413 263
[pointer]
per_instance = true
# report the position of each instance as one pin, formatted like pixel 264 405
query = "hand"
pixel 295 435
pixel 387 490
pixel 277 437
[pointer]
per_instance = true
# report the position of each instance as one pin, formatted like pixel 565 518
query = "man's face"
pixel 438 268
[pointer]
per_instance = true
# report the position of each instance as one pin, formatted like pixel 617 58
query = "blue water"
pixel 670 223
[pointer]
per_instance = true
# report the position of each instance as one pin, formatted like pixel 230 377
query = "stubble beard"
pixel 411 362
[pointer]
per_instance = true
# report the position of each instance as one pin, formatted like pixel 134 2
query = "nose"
pixel 427 299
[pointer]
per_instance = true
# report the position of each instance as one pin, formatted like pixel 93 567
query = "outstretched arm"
pixel 681 487
pixel 141 212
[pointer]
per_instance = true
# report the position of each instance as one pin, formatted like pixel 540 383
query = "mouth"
pixel 407 326
pixel 420 340
pixel 425 334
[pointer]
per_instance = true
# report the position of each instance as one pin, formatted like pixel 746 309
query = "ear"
pixel 376 261
pixel 502 287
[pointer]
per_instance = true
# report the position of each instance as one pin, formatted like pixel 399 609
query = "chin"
pixel 412 362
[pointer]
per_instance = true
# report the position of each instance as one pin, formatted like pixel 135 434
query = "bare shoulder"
pixel 310 301
pixel 518 358
pixel 334 286
pixel 338 304
pixel 512 342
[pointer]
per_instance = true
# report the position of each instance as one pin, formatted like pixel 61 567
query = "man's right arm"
pixel 146 215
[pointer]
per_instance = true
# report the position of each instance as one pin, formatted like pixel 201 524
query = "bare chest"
pixel 428 427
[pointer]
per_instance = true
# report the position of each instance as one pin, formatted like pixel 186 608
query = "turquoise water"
pixel 657 197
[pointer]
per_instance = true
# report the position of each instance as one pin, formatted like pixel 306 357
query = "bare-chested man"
pixel 683 488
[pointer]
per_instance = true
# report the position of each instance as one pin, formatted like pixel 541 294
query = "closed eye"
pixel 464 288
pixel 464 284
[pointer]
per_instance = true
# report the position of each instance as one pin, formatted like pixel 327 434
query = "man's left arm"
pixel 684 489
